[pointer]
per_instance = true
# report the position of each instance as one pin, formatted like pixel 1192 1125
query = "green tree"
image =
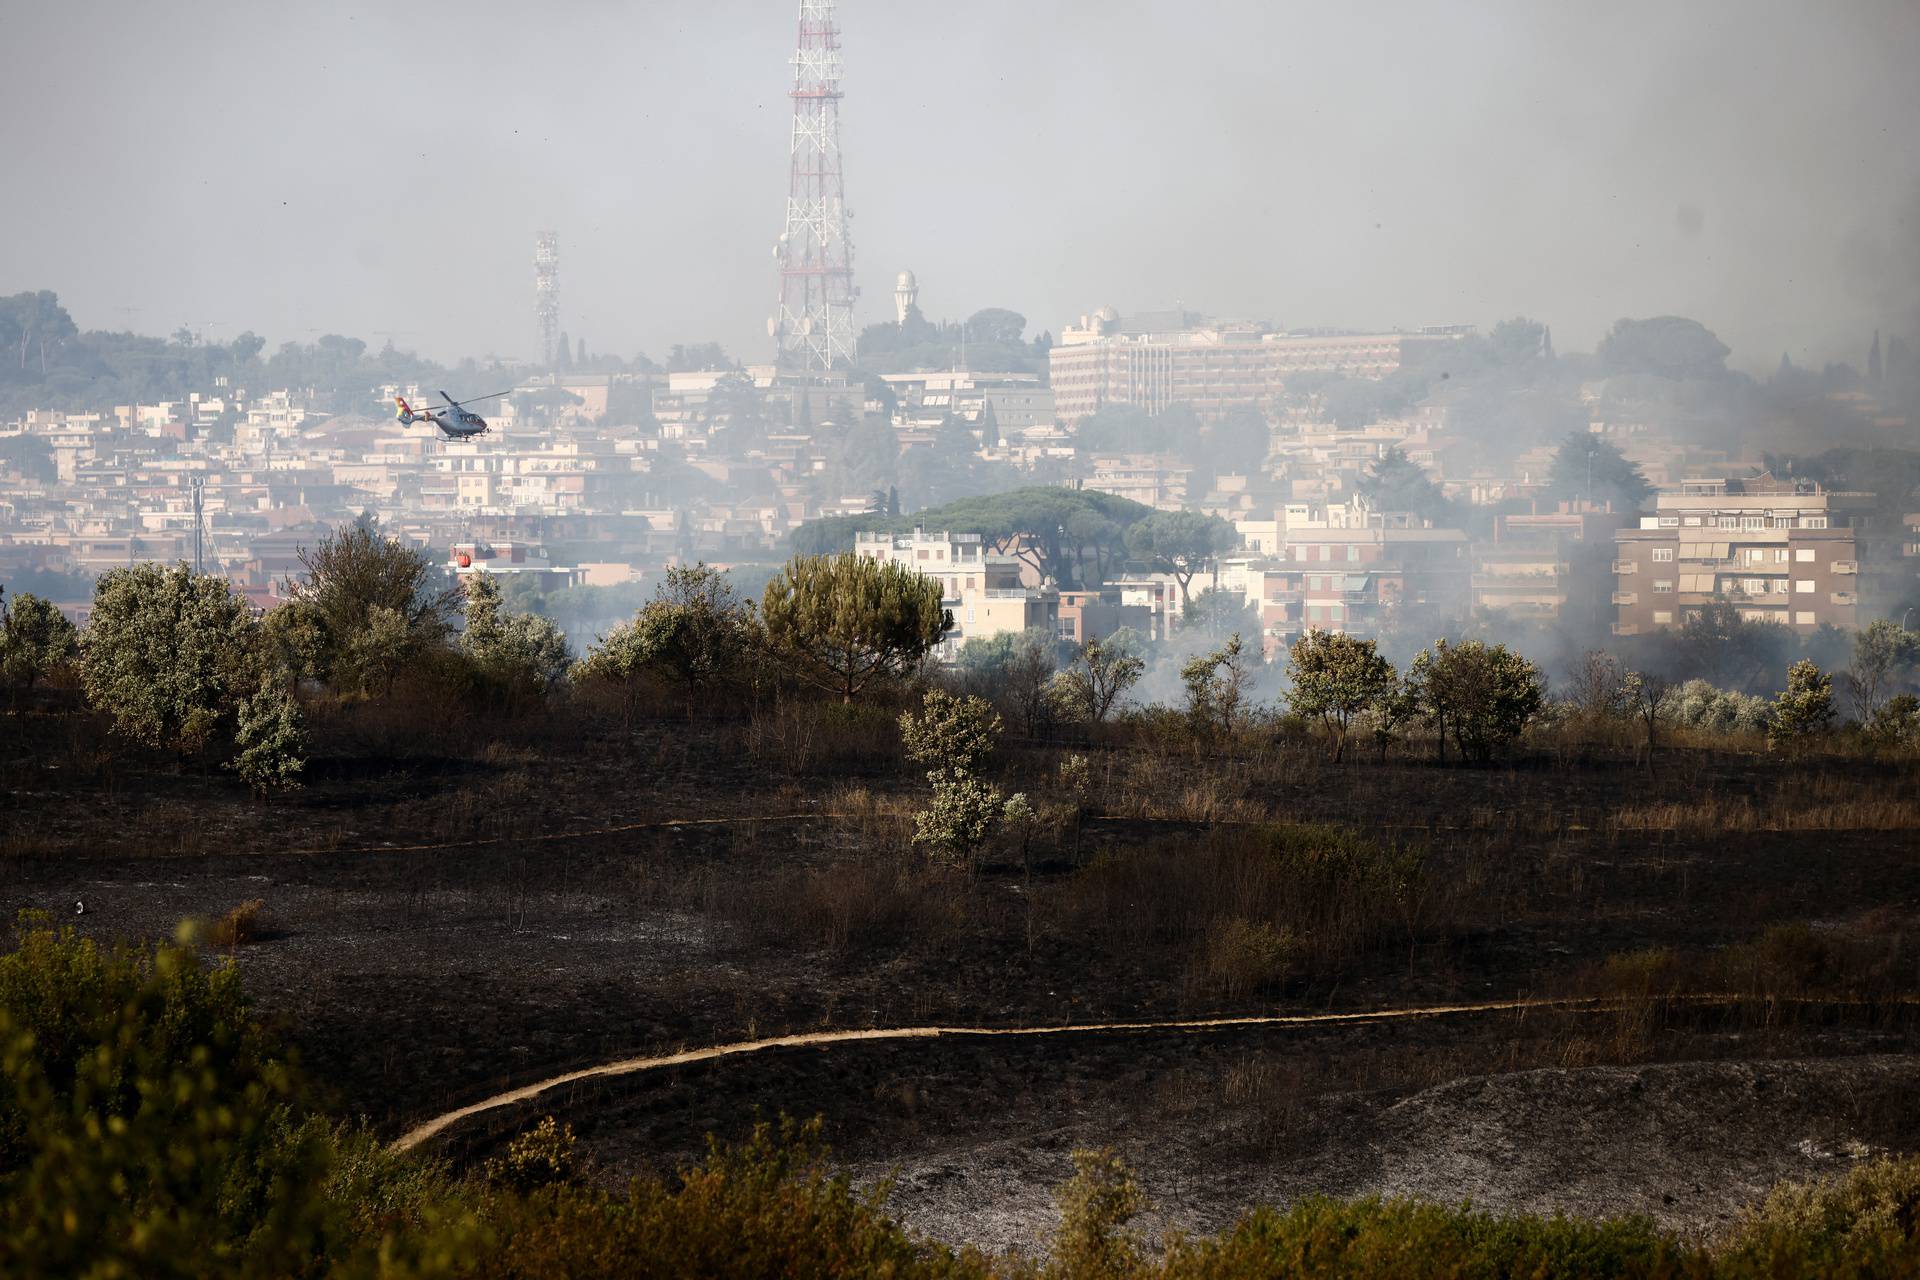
pixel 951 734
pixel 1217 685
pixel 1047 527
pixel 1484 695
pixel 1884 656
pixel 1586 466
pixel 35 639
pixel 1804 709
pixel 1239 443
pixel 1665 346
pixel 1396 482
pixel 1123 428
pixel 270 740
pixel 954 736
pixel 996 324
pixel 513 648
pixel 1219 612
pixel 168 654
pixel 694 634
pixel 357 569
pixel 1518 341
pixel 842 623
pixel 1180 542
pixel 1098 677
pixel 1335 678
pixel 375 655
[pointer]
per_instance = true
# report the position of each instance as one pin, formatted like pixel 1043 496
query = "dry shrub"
pixel 1243 956
pixel 1796 801
pixel 846 906
pixel 244 924
pixel 1336 893
pixel 798 736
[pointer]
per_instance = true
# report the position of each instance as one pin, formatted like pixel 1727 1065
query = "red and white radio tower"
pixel 814 325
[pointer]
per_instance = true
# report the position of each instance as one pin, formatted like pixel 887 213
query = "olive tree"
pixel 169 654
pixel 1884 654
pixel 842 623
pixel 1098 677
pixel 1217 685
pixel 953 736
pixel 35 639
pixel 1336 677
pixel 694 633
pixel 1482 694
pixel 1804 708
pixel 511 647
pixel 358 569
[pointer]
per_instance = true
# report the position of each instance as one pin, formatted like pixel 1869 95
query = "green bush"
pixel 1407 1240
pixel 767 1207
pixel 148 1128
pixel 541 1157
pixel 1865 1222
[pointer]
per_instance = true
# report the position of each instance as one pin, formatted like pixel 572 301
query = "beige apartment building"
pixel 1779 551
pixel 1212 370
pixel 980 588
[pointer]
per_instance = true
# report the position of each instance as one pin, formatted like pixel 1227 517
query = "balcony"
pixel 1846 566
pixel 1626 597
pixel 1846 599
pixel 1622 567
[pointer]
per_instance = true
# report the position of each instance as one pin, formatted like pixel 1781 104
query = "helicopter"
pixel 456 421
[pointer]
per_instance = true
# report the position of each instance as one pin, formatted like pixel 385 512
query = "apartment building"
pixel 1779 551
pixel 1549 564
pixel 1211 369
pixel 982 589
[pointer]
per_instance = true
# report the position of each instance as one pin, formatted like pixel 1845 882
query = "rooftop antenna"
pixel 199 487
pixel 546 294
pixel 813 325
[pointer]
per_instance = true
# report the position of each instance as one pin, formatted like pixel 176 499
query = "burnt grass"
pixel 525 940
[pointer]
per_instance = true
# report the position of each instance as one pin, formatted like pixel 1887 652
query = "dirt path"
pixel 629 1066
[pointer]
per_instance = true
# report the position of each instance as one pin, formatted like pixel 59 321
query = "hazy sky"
pixel 299 169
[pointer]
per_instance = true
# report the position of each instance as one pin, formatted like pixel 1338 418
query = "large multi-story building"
pixel 982 589
pixel 1213 369
pixel 1350 568
pixel 1551 564
pixel 1779 551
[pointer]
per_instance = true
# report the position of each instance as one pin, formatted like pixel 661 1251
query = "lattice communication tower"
pixel 546 293
pixel 814 325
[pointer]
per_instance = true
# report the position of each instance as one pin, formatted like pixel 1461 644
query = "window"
pixel 1816 522
pixel 1663 555
pixel 1754 586
pixel 1804 617
pixel 1753 522
pixel 1670 522
pixel 1803 587
pixel 1779 555
pixel 1804 555
pixel 1353 552
pixel 1662 617
pixel 1663 587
